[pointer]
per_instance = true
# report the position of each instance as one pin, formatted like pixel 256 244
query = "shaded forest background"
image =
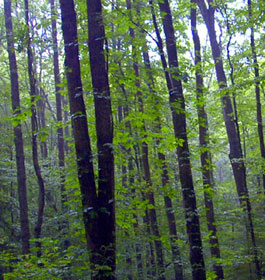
pixel 131 139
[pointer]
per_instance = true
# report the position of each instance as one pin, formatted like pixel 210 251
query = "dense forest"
pixel 131 139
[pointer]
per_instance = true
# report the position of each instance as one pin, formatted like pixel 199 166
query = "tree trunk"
pixel 59 118
pixel 42 123
pixel 177 105
pixel 104 131
pixel 34 127
pixel 235 155
pixel 98 209
pixel 18 137
pixel 257 87
pixel 205 154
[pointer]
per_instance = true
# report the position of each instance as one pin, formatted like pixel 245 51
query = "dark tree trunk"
pixel 80 129
pixel 231 74
pixel 34 127
pixel 98 209
pixel 18 137
pixel 42 124
pixel 59 118
pixel 205 153
pixel 177 105
pixel 146 168
pixel 257 86
pixel 235 155
pixel 67 149
pixel 104 131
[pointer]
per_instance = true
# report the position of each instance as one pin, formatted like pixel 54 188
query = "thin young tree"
pixel 257 85
pixel 18 136
pixel 177 105
pixel 236 157
pixel 59 117
pixel 205 153
pixel 34 130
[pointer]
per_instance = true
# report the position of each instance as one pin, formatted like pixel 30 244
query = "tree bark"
pixel 177 105
pixel 236 157
pixel 205 154
pixel 257 87
pixel 59 118
pixel 104 131
pixel 98 208
pixel 34 128
pixel 18 137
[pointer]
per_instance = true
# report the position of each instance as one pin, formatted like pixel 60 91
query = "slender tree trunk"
pixel 34 127
pixel 18 137
pixel 59 118
pixel 146 168
pixel 177 105
pixel 42 123
pixel 231 74
pixel 67 149
pixel 205 153
pixel 235 155
pixel 257 86
pixel 175 250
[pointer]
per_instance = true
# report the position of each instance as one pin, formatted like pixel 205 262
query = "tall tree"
pixel 205 154
pixel 98 207
pixel 236 157
pixel 18 136
pixel 104 131
pixel 59 118
pixel 177 105
pixel 257 85
pixel 34 129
